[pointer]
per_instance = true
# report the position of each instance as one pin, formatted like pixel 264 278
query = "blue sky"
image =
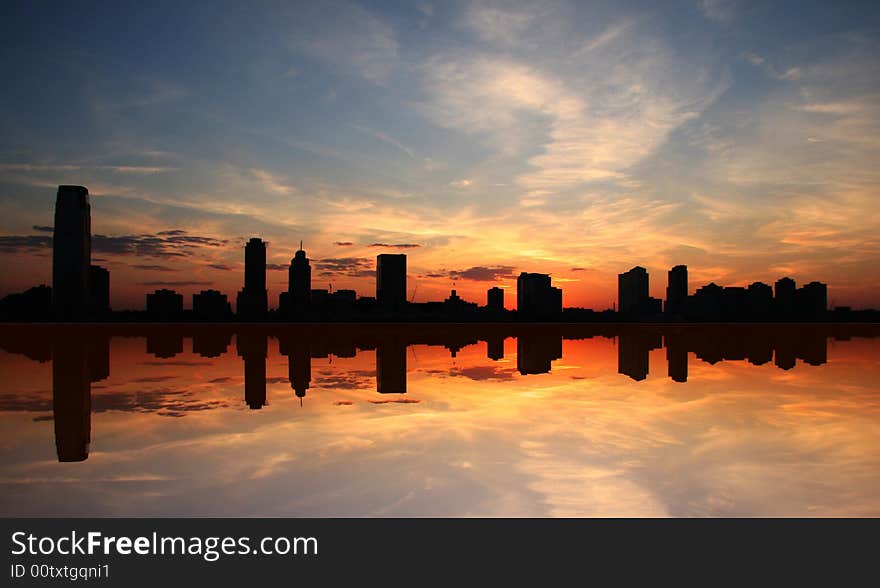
pixel 577 138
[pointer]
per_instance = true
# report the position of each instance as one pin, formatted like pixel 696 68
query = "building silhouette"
pixel 783 300
pixel 34 304
pixel 165 305
pixel 633 301
pixel 295 301
pixel 71 253
pixel 536 298
pixel 253 302
pixel 495 299
pixel 211 305
pixel 391 280
pixel 811 301
pixel 760 301
pixel 99 290
pixel 676 291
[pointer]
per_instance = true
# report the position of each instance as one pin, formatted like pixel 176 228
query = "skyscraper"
pixel 299 282
pixel 99 285
pixel 536 298
pixel 495 299
pixel 632 292
pixel 253 301
pixel 677 291
pixel 391 279
pixel 783 300
pixel 71 253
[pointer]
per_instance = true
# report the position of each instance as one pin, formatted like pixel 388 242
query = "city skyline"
pixel 81 291
pixel 482 139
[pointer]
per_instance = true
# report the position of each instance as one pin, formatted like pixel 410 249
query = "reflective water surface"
pixel 440 420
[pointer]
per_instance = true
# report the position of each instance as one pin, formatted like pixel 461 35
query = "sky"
pixel 482 139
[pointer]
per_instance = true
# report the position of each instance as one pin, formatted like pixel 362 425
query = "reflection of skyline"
pixel 482 425
pixel 75 368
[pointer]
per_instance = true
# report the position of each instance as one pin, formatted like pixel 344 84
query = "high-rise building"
pixel 536 298
pixel 99 283
pixel 495 299
pixel 300 279
pixel 71 253
pixel 783 301
pixel 391 279
pixel 253 302
pixel 811 301
pixel 211 305
pixel 164 305
pixel 677 291
pixel 760 300
pixel 632 292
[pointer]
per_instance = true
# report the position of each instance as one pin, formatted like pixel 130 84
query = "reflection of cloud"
pixel 395 401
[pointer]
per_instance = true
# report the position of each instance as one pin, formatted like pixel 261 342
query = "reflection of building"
pixel 676 358
pixel 633 353
pixel 391 367
pixel 164 345
pixel 253 347
pixel 676 291
pixel 71 253
pixel 495 299
pixel 210 343
pixel 253 303
pixel 391 279
pixel 164 305
pixel 536 298
pixel 535 352
pixel 495 348
pixel 71 401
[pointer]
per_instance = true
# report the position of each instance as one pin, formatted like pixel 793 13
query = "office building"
pixel 391 279
pixel 253 302
pixel 71 253
pixel 677 291
pixel 495 299
pixel 536 298
pixel 632 293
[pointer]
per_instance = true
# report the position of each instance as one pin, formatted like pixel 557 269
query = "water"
pixel 438 420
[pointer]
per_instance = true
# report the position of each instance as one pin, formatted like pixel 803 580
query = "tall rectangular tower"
pixel 391 279
pixel 632 292
pixel 253 299
pixel 71 253
pixel 677 290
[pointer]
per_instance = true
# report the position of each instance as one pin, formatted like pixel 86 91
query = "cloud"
pixel 387 139
pixel 221 266
pixel 45 229
pixel 277 266
pixel 155 268
pixel 347 36
pixel 723 11
pixel 343 243
pixel 346 266
pixel 29 243
pixel 395 245
pixel 175 283
pixel 483 273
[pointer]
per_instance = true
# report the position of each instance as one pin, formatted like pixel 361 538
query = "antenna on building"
pixel 413 297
